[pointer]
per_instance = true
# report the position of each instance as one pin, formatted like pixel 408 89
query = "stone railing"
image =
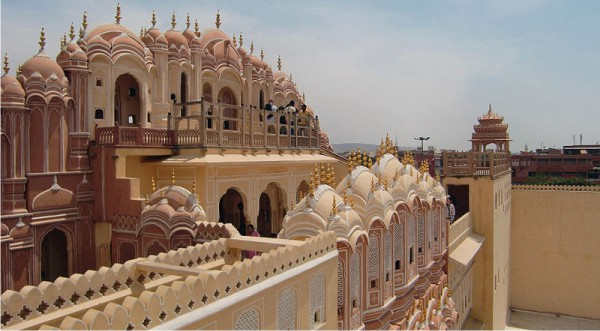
pixel 147 292
pixel 574 188
pixel 221 125
pixel 476 163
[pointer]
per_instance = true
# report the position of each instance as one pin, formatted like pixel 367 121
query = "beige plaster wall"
pixel 490 215
pixel 555 252
pixel 266 303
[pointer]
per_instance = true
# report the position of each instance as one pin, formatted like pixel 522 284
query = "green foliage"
pixel 554 180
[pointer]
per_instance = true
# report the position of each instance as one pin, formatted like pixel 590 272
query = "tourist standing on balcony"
pixel 251 232
pixel 451 209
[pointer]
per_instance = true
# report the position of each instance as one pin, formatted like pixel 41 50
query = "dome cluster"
pixel 363 196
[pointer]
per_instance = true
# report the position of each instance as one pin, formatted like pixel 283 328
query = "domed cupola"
pixel 153 38
pixel 13 94
pixel 43 73
pixel 114 40
pixel 193 37
pixel 177 44
pixel 71 54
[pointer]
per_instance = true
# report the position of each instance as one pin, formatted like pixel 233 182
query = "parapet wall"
pixel 146 292
pixel 555 251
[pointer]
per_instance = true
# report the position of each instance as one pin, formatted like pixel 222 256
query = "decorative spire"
pixel 262 54
pixel 153 20
pixel 118 14
pixel 187 22
pixel 63 41
pixel 251 47
pixel 5 67
pixel 81 33
pixel 19 69
pixel 372 185
pixel 196 27
pixel 173 21
pixel 42 41
pixel 72 32
pixel 234 42
pixel 194 187
pixel 84 21
pixel 141 32
pixel 278 62
pixel 173 176
pixel 345 197
pixel 218 20
pixel 490 109
pixel 153 185
pixel 241 40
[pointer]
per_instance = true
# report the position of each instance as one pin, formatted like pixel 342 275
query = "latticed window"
pixel 317 301
pixel 398 230
pixel 286 310
pixel 248 320
pixel 387 246
pixel 340 284
pixel 373 257
pixel 421 233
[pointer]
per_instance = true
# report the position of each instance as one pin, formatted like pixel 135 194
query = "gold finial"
pixel 234 42
pixel 333 205
pixel 141 32
pixel 84 23
pixel 153 185
pixel 42 41
pixel 19 69
pixel 279 62
pixel 490 109
pixel 196 27
pixel 63 41
pixel 173 21
pixel 370 162
pixel 372 185
pixel 5 67
pixel 118 14
pixel 251 47
pixel 72 32
pixel 173 176
pixel 194 187
pixel 153 20
pixel 241 40
pixel 81 33
pixel 345 197
pixel 262 54
pixel 218 20
pixel 323 174
pixel 187 22
pixel 424 168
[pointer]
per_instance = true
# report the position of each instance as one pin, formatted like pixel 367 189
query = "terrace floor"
pixel 528 320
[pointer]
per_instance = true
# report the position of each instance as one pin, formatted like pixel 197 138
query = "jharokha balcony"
pixel 218 126
pixel 469 164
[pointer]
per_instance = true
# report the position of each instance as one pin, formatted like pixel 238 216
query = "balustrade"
pixel 476 163
pixel 222 125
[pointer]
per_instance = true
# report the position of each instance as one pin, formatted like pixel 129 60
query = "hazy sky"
pixel 406 67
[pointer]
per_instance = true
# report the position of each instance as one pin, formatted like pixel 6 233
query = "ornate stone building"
pixel 147 157
pixel 389 219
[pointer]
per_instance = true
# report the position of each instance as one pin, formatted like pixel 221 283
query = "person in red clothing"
pixel 250 231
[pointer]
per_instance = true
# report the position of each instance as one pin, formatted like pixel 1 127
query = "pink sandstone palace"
pixel 132 165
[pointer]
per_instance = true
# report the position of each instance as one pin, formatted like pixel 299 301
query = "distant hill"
pixel 371 148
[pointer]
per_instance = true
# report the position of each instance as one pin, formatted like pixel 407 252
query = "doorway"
pixel 55 256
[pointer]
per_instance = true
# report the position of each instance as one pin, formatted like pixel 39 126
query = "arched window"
pixel 261 99
pixel 183 94
pixel 127 100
